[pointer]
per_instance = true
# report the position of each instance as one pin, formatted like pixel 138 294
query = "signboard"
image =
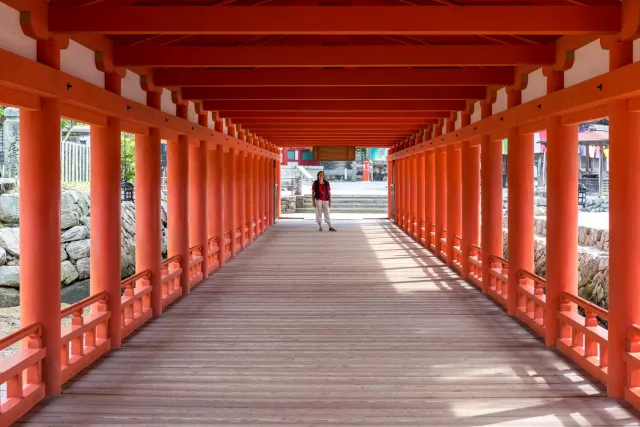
pixel 344 153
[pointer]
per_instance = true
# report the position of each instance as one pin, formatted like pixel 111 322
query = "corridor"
pixel 362 327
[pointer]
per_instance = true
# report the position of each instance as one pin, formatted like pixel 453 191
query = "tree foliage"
pixel 128 155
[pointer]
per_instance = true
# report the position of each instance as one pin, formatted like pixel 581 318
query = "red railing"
pixel 86 339
pixel 170 274
pixel 531 301
pixel 432 237
pixel 247 232
pixel 581 338
pixel 475 265
pixel 21 373
pixel 196 264
pixel 443 245
pixel 237 235
pixel 499 275
pixel 423 234
pixel 213 253
pixel 135 303
pixel 227 245
pixel 457 253
pixel 632 358
pixel 416 230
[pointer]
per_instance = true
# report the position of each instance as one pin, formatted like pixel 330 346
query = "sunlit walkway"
pixel 361 327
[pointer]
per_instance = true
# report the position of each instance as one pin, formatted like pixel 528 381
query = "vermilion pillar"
pixel 390 184
pixel 470 196
pixel 230 196
pixel 429 193
pixel 40 222
pixel 491 199
pixel 440 195
pixel 198 191
pixel 272 188
pixel 264 193
pixel 413 199
pixel 400 193
pixel 212 198
pixel 454 198
pixel 520 181
pixel 148 237
pixel 105 212
pixel 408 221
pixel 216 155
pixel 285 156
pixel 420 213
pixel 278 189
pixel 624 228
pixel 562 212
pixel 249 192
pixel 178 199
pixel 219 175
pixel 256 192
pixel 242 201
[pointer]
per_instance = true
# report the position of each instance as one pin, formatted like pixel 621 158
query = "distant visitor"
pixel 321 196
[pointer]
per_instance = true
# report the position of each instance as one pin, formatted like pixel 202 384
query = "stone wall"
pixel 593 260
pixel 75 251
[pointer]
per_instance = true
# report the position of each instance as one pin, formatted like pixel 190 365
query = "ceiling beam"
pixel 337 115
pixel 375 20
pixel 309 144
pixel 333 56
pixel 310 123
pixel 335 93
pixel 327 106
pixel 333 126
pixel 173 77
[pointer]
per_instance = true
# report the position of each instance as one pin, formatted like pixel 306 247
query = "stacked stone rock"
pixel 593 259
pixel 75 252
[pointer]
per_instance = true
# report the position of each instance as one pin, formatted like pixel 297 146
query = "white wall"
pixel 477 112
pixel 11 36
pixel 501 102
pixel 193 116
pixel 590 61
pixel 131 88
pixel 80 62
pixel 167 103
pixel 536 87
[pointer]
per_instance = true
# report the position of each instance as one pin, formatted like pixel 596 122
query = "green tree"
pixel 128 155
pixel 67 126
pixel 2 107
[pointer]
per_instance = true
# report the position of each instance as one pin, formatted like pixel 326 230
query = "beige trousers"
pixel 322 206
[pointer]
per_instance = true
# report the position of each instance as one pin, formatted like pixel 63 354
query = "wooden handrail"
pixel 475 247
pixel 535 278
pixel 498 259
pixel 146 274
pixel 197 248
pixel 175 258
pixel 20 334
pixel 581 302
pixel 81 305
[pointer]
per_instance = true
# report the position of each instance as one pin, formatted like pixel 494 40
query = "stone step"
pixel 344 210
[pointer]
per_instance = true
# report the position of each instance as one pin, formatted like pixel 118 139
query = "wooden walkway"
pixel 356 328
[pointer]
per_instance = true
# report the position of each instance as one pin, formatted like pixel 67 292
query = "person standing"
pixel 321 199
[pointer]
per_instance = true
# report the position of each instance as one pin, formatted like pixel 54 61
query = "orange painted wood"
pixel 308 105
pixel 326 77
pixel 333 56
pixel 617 84
pixel 376 20
pixel 259 347
pixel 40 223
pixel 340 115
pixel 335 93
pixel 38 79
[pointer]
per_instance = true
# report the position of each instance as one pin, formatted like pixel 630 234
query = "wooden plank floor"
pixel 356 328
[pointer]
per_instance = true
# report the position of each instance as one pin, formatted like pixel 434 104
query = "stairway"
pixel 350 204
